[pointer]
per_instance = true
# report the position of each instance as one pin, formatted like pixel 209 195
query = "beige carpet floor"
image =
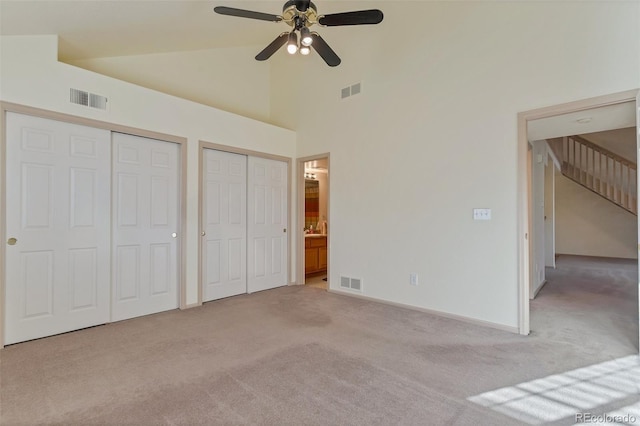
pixel 302 356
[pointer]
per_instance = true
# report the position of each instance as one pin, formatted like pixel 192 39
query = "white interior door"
pixel 57 222
pixel 145 226
pixel 267 224
pixel 224 216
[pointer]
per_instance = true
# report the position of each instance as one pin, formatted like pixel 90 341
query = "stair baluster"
pixel 599 170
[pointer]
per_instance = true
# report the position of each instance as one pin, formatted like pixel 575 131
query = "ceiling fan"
pixel 301 15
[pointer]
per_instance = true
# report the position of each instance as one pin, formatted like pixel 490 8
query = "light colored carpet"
pixel 300 355
pixel 589 302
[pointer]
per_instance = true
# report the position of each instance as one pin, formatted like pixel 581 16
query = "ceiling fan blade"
pixel 272 48
pixel 241 13
pixel 360 17
pixel 324 50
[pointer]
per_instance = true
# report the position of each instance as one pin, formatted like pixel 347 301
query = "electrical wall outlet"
pixel 413 279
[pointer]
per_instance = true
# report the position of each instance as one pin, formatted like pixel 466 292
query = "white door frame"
pixel 68 118
pixel 300 276
pixel 524 192
pixel 202 145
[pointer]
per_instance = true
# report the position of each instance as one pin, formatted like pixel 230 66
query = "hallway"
pixel 591 302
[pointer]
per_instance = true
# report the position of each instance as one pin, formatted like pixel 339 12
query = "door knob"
pixel 174 235
pixel 203 233
pixel 12 241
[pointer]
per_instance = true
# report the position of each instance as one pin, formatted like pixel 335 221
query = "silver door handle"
pixel 174 235
pixel 203 233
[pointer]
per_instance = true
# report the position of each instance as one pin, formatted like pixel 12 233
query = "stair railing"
pixel 601 171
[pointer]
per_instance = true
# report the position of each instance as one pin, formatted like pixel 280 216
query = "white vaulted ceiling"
pixel 89 30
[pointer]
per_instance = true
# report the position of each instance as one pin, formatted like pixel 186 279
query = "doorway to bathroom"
pixel 313 220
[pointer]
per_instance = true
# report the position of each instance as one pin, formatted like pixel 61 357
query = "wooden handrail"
pixel 604 151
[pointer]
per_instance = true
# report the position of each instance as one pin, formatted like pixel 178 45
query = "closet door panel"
pixel 224 224
pixel 146 176
pixel 57 221
pixel 267 224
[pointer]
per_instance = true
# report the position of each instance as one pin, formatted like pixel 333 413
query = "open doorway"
pixel 584 236
pixel 313 218
pixel 551 154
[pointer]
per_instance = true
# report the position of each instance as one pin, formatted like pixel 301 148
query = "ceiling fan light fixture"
pixel 292 44
pixel 300 15
pixel 305 36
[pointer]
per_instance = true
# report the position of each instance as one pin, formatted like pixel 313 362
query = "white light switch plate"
pixel 481 214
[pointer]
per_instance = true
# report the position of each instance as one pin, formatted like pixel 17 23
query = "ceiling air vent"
pixel 87 99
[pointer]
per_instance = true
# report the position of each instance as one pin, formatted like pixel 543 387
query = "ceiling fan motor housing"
pixel 302 8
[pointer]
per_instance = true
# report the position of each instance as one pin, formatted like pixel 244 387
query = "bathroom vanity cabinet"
pixel 315 253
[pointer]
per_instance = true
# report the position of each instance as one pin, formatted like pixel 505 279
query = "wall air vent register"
pixel 81 97
pixel 351 283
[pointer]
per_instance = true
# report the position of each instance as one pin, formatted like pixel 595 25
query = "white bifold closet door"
pixel 224 216
pixel 145 226
pixel 244 229
pixel 267 224
pixel 57 223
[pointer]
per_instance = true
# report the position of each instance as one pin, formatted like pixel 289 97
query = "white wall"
pixel 434 134
pixel 589 225
pixel 31 75
pixel 229 79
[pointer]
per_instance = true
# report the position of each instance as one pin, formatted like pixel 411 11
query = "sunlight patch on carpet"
pixel 570 394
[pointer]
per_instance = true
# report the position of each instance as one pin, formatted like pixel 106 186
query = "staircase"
pixel 599 170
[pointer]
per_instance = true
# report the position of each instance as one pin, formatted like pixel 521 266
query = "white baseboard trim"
pixel 462 318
